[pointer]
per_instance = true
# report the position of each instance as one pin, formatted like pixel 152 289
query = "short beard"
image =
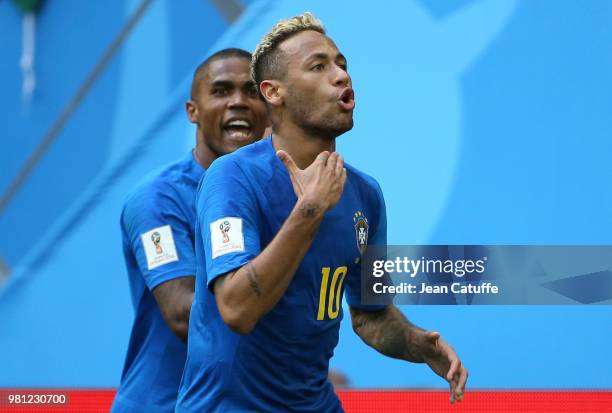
pixel 323 132
pixel 325 129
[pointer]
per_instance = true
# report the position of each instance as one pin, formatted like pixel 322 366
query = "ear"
pixel 192 111
pixel 271 91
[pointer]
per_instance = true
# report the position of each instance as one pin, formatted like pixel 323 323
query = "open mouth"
pixel 347 99
pixel 238 129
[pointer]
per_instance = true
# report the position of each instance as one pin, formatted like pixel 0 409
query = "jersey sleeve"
pixel 228 213
pixel 159 236
pixel 377 236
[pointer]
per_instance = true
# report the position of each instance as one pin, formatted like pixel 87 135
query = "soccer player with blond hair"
pixel 281 226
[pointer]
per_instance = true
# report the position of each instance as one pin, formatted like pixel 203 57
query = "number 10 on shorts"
pixel 331 301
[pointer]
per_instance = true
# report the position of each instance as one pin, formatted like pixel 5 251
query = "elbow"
pixel 236 311
pixel 238 324
pixel 357 327
pixel 180 329
pixel 357 320
pixel 238 318
pixel 178 322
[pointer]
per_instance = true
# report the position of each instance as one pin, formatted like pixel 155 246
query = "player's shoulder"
pixel 365 186
pixel 160 183
pixel 362 180
pixel 254 159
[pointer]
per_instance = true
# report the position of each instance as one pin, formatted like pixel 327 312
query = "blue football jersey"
pixel 157 225
pixel 282 364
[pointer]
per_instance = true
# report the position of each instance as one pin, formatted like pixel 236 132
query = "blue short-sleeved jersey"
pixel 157 225
pixel 282 364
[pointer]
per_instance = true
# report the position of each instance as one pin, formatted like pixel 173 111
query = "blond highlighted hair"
pixel 265 60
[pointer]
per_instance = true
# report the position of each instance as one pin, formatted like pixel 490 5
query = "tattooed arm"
pixel 247 294
pixel 387 331
pixel 174 298
pixel 390 333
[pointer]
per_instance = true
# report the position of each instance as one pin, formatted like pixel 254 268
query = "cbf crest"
pixel 361 230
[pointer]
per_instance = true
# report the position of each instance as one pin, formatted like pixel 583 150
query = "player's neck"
pixel 301 146
pixel 202 153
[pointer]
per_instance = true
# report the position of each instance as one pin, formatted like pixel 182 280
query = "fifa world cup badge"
pixel 361 230
pixel 158 245
pixel 156 238
pixel 225 227
pixel 226 236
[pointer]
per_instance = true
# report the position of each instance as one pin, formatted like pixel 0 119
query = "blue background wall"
pixel 485 121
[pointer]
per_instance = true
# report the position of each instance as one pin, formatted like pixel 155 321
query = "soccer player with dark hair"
pixel 157 225
pixel 281 227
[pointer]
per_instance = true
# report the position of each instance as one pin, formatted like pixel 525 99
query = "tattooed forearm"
pixel 252 275
pixel 387 331
pixel 392 340
pixel 309 210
